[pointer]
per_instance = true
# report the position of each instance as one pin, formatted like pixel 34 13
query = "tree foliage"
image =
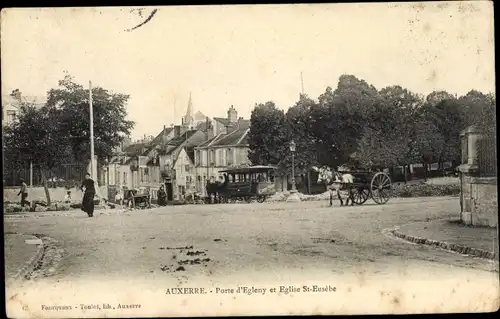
pixel 110 124
pixel 300 130
pixel 357 125
pixel 268 135
pixel 58 132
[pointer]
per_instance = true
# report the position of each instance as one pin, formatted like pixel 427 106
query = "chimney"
pixel 232 114
pixel 177 130
pixel 209 129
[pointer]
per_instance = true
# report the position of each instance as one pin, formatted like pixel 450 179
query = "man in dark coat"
pixel 88 196
pixel 162 196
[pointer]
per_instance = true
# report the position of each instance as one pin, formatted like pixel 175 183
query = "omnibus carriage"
pixel 248 183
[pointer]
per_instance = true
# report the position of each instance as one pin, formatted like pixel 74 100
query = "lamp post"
pixel 292 150
pixel 293 192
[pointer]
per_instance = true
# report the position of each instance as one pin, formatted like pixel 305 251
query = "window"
pixel 117 176
pixel 212 157
pixel 124 178
pixel 229 156
pixel 222 157
pixel 199 178
pixel 197 158
pixel 187 167
pixel 11 116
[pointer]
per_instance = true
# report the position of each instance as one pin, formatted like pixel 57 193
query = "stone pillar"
pixel 472 136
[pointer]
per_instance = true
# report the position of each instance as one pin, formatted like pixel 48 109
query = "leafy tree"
pixel 447 117
pixel 35 137
pixel 436 97
pixel 479 109
pixel 299 123
pixel 109 110
pixel 340 119
pixel 268 137
pixel 299 127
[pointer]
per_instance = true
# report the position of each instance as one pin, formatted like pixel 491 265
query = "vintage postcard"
pixel 299 159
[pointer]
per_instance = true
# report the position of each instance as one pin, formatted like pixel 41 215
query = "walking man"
pixel 88 196
pixel 23 192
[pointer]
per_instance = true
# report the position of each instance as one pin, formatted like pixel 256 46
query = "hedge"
pixel 425 190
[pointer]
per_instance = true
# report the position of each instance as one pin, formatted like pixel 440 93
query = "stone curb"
pixel 30 265
pixel 465 250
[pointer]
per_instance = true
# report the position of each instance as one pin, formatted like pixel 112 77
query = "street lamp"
pixel 293 192
pixel 292 150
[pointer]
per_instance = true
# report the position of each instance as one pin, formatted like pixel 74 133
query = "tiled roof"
pixel 222 120
pixel 206 143
pixel 176 141
pixel 202 126
pixel 159 138
pixel 236 137
pixel 240 124
pixel 134 149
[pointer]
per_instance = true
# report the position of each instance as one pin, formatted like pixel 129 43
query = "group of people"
pixel 87 187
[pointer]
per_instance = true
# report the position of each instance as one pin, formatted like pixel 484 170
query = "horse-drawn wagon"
pixel 360 185
pixel 376 185
pixel 135 199
pixel 247 184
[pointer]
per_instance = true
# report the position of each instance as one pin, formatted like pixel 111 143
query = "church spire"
pixel 188 118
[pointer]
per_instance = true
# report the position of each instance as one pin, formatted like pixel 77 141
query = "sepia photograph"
pixel 228 160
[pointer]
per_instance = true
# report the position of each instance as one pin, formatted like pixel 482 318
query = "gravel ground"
pixel 136 255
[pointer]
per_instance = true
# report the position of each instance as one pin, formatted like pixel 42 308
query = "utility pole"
pixel 91 111
pixel 31 184
pixel 302 83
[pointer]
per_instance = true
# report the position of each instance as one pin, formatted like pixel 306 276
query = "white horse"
pixel 336 181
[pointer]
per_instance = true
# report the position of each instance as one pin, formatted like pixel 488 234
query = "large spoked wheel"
pixel 380 188
pixel 261 199
pixel 361 195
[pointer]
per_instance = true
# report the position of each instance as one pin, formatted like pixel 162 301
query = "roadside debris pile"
pixel 282 196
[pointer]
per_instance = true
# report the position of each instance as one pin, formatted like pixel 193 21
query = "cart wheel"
pixel 261 199
pixel 380 188
pixel 361 195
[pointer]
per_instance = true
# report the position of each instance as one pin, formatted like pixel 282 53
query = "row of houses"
pixel 181 157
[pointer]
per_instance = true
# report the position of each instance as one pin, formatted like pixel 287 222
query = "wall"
pixel 181 173
pixel 241 155
pixel 479 197
pixel 218 127
pixel 38 193
pixel 480 201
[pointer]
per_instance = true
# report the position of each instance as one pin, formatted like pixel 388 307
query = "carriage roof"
pixel 250 169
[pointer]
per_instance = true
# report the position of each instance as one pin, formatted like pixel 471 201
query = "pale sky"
pixel 240 55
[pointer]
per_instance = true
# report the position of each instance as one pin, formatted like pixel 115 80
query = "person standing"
pixel 23 192
pixel 88 195
pixel 162 195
